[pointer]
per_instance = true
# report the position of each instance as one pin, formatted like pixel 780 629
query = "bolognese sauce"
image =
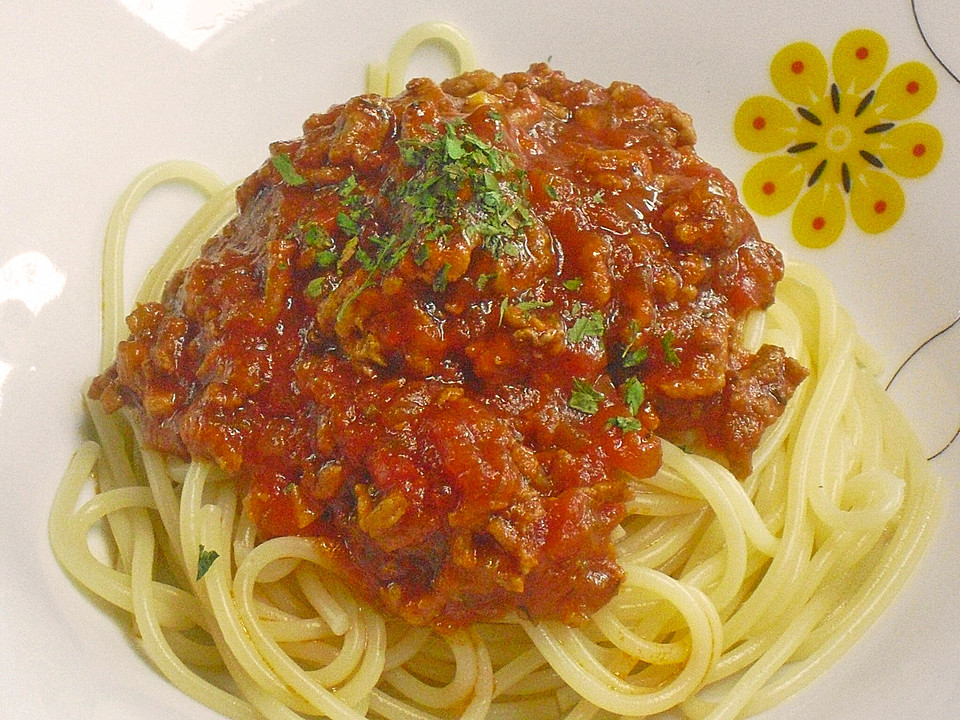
pixel 445 330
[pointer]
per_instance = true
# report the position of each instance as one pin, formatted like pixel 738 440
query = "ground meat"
pixel 445 327
pixel 753 397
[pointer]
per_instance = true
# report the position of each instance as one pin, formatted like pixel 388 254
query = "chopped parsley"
pixel 386 252
pixel 363 257
pixel 316 287
pixel 453 146
pixel 586 326
pixel 573 284
pixel 633 394
pixel 551 192
pixel 634 356
pixel 284 165
pixel 585 397
pixel 348 224
pixel 326 255
pixel 355 206
pixel 205 561
pixel 458 180
pixel 348 186
pixel 627 424
pixel 509 248
pixel 326 258
pixel 422 254
pixel 669 353
pixel 484 278
pixel 440 279
pixel 316 237
pixel 528 306
pixel 454 160
pixel 349 248
pixel 389 253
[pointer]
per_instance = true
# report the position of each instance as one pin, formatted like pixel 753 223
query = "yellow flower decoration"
pixel 843 140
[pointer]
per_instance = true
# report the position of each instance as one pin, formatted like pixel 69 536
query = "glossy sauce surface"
pixel 444 328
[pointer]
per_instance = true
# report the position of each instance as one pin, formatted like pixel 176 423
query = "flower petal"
pixel 764 124
pixel 907 90
pixel 912 149
pixel 858 60
pixel 773 184
pixel 876 201
pixel 819 216
pixel 799 73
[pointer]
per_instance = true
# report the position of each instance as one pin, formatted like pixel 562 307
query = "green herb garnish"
pixel 349 187
pixel 348 224
pixel 633 394
pixel 585 397
pixel 632 358
pixel 456 160
pixel 440 279
pixel 355 207
pixel 669 353
pixel 528 306
pixel 205 561
pixel 316 237
pixel 459 180
pixel 573 284
pixel 627 424
pixel 484 278
pixel 364 259
pixel 389 253
pixel 326 258
pixel 284 165
pixel 586 326
pixel 315 287
pixel 509 248
pixel 422 254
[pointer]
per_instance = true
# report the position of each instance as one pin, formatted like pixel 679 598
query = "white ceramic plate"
pixel 93 91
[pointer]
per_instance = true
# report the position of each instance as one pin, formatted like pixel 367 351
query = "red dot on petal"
pixel 862 53
pixel 880 207
pixel 913 87
pixel 769 188
pixel 919 149
pixel 759 122
pixel 797 67
pixel 819 223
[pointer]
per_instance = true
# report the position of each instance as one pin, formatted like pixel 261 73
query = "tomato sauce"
pixel 445 330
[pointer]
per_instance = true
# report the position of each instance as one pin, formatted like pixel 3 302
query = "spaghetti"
pixel 735 595
pixel 755 587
